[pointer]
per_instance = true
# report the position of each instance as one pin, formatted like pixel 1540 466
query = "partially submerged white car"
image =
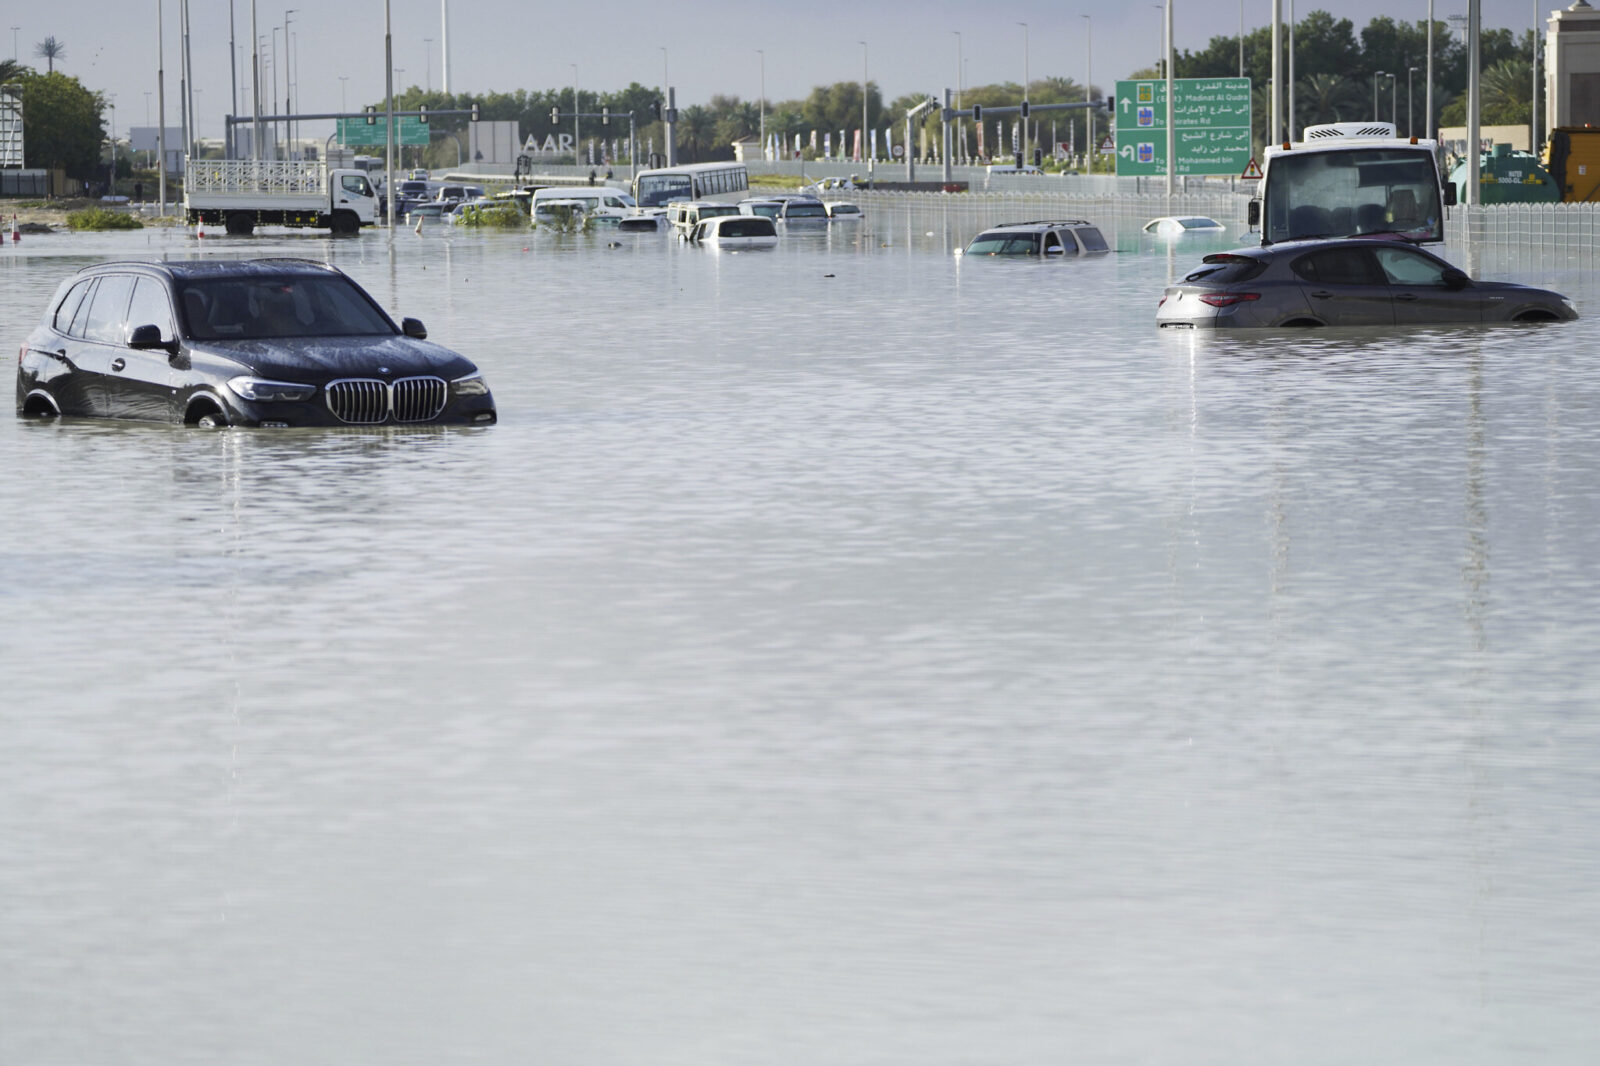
pixel 735 231
pixel 1178 225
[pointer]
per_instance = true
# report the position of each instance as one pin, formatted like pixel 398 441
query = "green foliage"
pixel 494 216
pixel 98 218
pixel 61 125
pixel 1505 88
pixel 560 218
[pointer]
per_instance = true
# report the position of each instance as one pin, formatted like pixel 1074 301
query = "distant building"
pixel 747 150
pixel 1572 67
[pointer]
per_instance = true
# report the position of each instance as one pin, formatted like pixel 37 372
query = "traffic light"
pixel 655 109
pixel 605 116
pixel 372 115
pixel 423 117
pixel 1038 157
pixel 977 112
pixel 1024 109
pixel 555 116
pixel 474 112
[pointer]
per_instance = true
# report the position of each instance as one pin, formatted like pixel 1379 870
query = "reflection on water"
pixel 844 652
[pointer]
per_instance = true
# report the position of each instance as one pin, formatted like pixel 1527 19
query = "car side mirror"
pixel 148 337
pixel 1449 194
pixel 413 328
pixel 1456 279
pixel 1252 213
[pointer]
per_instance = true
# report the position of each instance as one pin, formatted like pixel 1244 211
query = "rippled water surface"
pixel 841 654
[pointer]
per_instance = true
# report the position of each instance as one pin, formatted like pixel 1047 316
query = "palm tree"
pixel 11 70
pixel 697 126
pixel 1328 98
pixel 50 50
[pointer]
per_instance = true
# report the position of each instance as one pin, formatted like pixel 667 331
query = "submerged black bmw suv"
pixel 264 342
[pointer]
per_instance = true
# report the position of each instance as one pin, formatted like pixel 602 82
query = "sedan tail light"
pixel 1228 299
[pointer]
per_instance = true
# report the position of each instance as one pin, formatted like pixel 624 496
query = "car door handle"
pixel 118 363
pixel 1323 295
pixel 1409 297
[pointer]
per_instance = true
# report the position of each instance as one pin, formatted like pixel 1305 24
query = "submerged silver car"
pixel 1049 238
pixel 1346 282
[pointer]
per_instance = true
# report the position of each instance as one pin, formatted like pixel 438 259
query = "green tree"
pixel 50 50
pixel 1328 97
pixel 838 106
pixel 61 125
pixel 696 132
pixel 11 70
pixel 1505 90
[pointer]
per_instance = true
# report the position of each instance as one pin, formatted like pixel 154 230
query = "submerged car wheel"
pixel 212 420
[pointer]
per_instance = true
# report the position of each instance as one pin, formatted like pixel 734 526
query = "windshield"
pixel 1004 244
pixel 1353 191
pixel 658 189
pixel 254 308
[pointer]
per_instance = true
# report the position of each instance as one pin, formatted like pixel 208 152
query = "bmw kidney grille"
pixel 367 401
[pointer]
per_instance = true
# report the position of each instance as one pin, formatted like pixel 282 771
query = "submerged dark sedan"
pixel 264 342
pixel 1346 282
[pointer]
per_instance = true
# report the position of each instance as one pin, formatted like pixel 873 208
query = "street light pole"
pixel 1394 98
pixel 1411 123
pixel 1088 91
pixel 1024 141
pixel 427 65
pixel 576 138
pixel 959 62
pixel 864 126
pixel 1375 76
pixel 762 52
pixel 288 105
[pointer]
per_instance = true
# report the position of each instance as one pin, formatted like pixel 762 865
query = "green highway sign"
pixel 408 129
pixel 1212 127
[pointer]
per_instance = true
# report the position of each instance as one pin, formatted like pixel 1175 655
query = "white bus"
pixel 697 181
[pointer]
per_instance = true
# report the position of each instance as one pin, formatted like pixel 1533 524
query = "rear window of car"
pixel 1093 240
pixel 805 211
pixel 1225 268
pixel 747 226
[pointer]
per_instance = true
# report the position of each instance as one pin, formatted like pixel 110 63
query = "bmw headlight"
pixel 263 391
pixel 471 385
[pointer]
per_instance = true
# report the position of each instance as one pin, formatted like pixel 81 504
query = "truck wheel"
pixel 239 224
pixel 345 222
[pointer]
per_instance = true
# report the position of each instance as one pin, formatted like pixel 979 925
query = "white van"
pixel 598 201
pixel 735 231
pixel 684 215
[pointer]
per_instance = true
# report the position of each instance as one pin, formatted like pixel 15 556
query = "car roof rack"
pixel 1047 222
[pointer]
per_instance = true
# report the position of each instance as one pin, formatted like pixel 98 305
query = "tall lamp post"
pixel 1411 124
pixel 864 126
pixel 288 105
pixel 1394 98
pixel 1375 76
pixel 762 52
pixel 1024 142
pixel 577 141
pixel 427 64
pixel 1088 91
pixel 959 62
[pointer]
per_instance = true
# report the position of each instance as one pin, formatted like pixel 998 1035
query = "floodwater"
pixel 840 654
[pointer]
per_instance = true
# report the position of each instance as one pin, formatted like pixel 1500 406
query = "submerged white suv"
pixel 1069 236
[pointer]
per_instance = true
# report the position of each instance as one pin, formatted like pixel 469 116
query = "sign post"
pixel 1212 126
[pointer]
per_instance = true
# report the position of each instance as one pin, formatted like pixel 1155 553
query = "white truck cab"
pixel 1348 179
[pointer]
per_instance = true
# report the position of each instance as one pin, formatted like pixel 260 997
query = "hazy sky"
pixel 711 47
